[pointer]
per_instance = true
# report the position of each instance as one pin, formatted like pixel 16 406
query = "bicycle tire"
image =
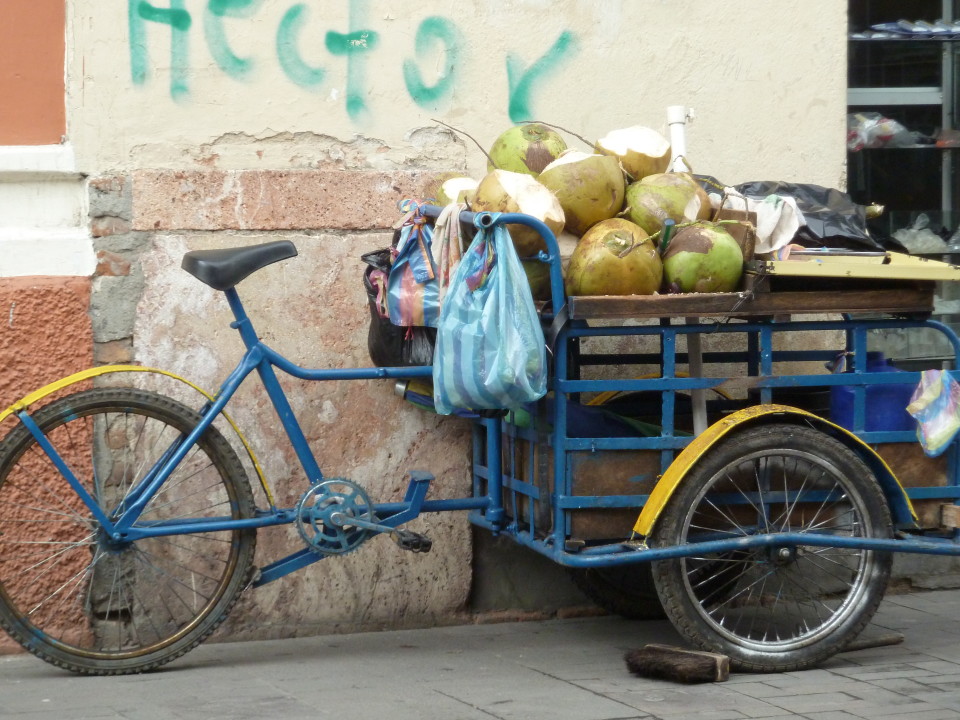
pixel 782 608
pixel 70 596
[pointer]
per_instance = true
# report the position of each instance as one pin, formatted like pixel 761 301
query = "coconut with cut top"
pixel 502 191
pixel 642 151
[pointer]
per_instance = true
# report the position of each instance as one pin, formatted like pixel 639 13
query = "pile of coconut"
pixel 607 209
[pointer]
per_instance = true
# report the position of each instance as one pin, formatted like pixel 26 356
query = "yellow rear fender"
pixel 901 508
pixel 90 373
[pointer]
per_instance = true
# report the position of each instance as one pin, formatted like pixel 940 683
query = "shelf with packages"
pixel 906 70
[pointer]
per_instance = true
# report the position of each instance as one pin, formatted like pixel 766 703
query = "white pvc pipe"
pixel 677 117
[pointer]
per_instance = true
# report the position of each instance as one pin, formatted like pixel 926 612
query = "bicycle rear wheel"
pixel 74 598
pixel 784 607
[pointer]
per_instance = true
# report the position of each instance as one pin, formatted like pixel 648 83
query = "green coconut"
pixel 614 257
pixel 526 148
pixel 702 257
pixel 686 181
pixel 662 196
pixel 641 150
pixel 502 191
pixel 590 188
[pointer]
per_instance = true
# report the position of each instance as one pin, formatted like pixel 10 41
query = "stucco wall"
pixel 280 83
pixel 218 124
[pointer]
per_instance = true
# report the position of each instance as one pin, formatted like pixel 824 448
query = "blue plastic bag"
pixel 490 351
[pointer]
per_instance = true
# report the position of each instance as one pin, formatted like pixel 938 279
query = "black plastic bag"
pixel 391 345
pixel 833 219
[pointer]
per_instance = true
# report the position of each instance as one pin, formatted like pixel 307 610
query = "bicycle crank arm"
pixel 406 539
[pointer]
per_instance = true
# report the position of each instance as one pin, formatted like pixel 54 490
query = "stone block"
pixel 108 225
pixel 115 352
pixel 110 196
pixel 271 199
pixel 113 305
pixel 109 263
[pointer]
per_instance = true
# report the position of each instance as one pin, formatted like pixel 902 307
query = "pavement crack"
pixel 469 704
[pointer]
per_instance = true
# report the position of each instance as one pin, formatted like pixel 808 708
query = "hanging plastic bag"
pixel 490 351
pixel 935 406
pixel 412 287
pixel 388 344
pixel 418 276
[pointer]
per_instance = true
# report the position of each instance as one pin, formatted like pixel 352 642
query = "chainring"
pixel 316 509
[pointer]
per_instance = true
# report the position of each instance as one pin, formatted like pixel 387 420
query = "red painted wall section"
pixel 31 72
pixel 45 333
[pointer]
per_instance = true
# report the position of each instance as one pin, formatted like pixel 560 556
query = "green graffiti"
pixel 436 37
pixel 216 36
pixel 354 44
pixel 433 31
pixel 521 82
pixel 138 14
pixel 289 56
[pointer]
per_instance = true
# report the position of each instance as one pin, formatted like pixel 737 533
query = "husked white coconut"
pixel 642 150
pixel 456 190
pixel 503 191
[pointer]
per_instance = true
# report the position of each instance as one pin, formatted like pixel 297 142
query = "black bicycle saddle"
pixel 223 268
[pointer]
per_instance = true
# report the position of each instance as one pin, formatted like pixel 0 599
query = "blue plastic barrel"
pixel 886 404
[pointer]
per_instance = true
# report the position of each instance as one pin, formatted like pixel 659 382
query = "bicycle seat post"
pixel 241 322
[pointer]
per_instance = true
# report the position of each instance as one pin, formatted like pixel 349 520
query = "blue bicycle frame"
pixel 486 501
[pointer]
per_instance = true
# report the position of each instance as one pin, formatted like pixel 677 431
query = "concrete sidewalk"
pixel 561 670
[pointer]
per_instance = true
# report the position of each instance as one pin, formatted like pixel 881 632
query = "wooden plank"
pixel 908 299
pixel 950 516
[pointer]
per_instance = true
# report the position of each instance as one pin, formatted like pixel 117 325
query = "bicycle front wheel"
pixel 80 601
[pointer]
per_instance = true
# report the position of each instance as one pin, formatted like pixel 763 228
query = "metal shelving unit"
pixel 912 80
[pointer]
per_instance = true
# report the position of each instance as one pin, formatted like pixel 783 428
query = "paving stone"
pixel 558 669
pixel 813 702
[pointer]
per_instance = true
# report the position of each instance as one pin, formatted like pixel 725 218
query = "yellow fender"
pixel 900 506
pixel 53 387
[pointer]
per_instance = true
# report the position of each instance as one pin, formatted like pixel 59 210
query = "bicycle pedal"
pixel 414 542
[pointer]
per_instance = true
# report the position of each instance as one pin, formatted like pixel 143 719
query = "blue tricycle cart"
pixel 693 452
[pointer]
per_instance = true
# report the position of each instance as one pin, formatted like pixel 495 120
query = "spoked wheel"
pixel 785 607
pixel 76 598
